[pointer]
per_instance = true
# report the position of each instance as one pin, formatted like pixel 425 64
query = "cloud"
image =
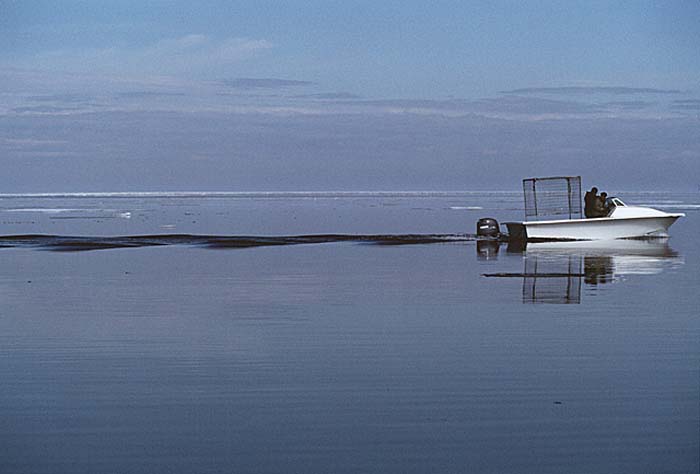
pixel 329 96
pixel 533 106
pixel 193 54
pixel 510 108
pixel 628 104
pixel 263 83
pixel 147 94
pixel 28 147
pixel 265 151
pixel 47 154
pixel 77 94
pixel 29 142
pixel 591 90
pixel 44 109
pixel 200 48
pixel 62 98
pixel 686 104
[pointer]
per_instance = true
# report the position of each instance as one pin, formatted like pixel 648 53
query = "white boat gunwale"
pixel 598 219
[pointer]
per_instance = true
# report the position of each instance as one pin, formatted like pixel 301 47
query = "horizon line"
pixel 309 193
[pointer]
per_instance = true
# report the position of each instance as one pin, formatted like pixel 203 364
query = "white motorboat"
pixel 621 222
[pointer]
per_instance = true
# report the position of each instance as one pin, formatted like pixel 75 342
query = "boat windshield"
pixel 613 201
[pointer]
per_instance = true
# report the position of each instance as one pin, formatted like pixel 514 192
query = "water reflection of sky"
pixel 556 272
pixel 338 357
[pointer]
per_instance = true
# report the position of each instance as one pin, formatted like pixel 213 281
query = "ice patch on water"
pixel 72 213
pixel 44 210
pixel 674 206
pixel 257 194
pixel 56 210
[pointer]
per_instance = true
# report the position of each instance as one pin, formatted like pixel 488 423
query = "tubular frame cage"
pixel 553 196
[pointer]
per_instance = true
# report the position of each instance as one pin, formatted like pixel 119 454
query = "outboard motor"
pixel 487 227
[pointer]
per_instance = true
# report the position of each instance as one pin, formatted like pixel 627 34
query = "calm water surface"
pixel 348 356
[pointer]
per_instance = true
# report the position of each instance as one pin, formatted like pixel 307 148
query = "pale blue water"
pixel 346 356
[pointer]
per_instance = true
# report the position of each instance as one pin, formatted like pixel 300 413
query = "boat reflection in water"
pixel 552 280
pixel 554 271
pixel 487 249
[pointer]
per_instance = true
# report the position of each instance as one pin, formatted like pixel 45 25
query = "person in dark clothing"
pixel 601 205
pixel 589 201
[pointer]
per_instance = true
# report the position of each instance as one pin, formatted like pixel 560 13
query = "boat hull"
pixel 606 228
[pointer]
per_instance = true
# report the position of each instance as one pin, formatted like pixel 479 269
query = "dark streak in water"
pixel 538 275
pixel 60 243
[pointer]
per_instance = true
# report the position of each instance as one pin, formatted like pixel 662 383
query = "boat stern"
pixel 516 231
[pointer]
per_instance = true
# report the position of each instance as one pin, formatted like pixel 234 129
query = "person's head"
pixel 594 189
pixel 603 194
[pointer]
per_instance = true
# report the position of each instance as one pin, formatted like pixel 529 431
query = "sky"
pixel 347 95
